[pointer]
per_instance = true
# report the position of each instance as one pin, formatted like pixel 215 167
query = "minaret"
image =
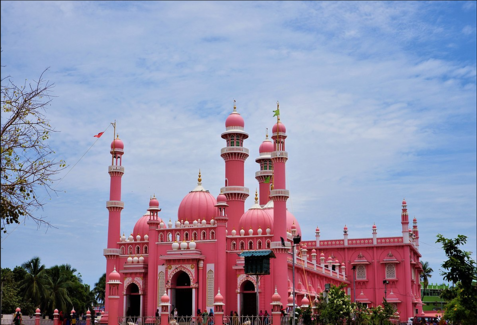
pixel 265 174
pixel 114 206
pixel 152 273
pixel 415 232
pixel 221 220
pixel 234 155
pixel 279 194
pixel 405 222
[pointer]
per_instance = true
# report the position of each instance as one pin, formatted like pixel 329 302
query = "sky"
pixel 379 101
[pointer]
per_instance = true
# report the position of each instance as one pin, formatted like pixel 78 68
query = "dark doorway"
pixel 133 301
pixel 182 294
pixel 249 299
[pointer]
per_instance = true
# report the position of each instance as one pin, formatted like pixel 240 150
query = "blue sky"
pixel 378 99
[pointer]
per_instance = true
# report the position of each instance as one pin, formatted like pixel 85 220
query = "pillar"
pixel 37 316
pixel 56 317
pixel 165 309
pixel 88 317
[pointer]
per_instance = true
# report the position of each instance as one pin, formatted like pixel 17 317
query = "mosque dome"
pixel 234 119
pixel 255 218
pixel 114 276
pixel 281 128
pixel 266 146
pixel 141 227
pixel 221 198
pixel 117 144
pixel 153 202
pixel 268 208
pixel 198 204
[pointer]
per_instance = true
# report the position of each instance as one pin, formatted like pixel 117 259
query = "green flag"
pixel 267 180
pixel 276 113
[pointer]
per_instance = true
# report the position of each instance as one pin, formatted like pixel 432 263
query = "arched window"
pixel 390 271
pixel 138 250
pixel 169 237
pixel 194 235
pixel 268 244
pixel 361 272
pixel 122 250
pixel 161 237
pixel 242 246
pixel 145 250
pixel 250 245
pixel 186 236
pixel 212 234
pixel 178 237
pixel 259 244
pixel 232 141
pixel 130 250
pixel 203 235
pixel 234 246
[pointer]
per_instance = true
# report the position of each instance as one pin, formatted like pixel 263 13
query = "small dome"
pixel 56 311
pixel 114 276
pixel 374 226
pixel 290 299
pixel 255 218
pixel 276 297
pixel 317 229
pixel 234 119
pixel 414 220
pixel 305 301
pixel 281 128
pixel 165 298
pixel 345 228
pixel 266 146
pixel 153 202
pixel 219 298
pixel 141 226
pixel 404 202
pixel 37 311
pixel 313 251
pixel 268 208
pixel 198 204
pixel 221 198
pixel 88 312
pixel 117 144
pixel 18 310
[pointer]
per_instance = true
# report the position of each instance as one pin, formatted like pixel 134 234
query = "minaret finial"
pixel 266 134
pixel 256 196
pixel 199 180
pixel 235 105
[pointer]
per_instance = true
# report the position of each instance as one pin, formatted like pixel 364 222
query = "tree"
pixel 34 285
pixel 461 270
pixel 426 273
pixel 10 297
pixel 27 162
pixel 59 282
pixel 99 289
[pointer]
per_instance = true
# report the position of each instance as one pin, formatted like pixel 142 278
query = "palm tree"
pixel 426 274
pixel 100 289
pixel 33 285
pixel 57 286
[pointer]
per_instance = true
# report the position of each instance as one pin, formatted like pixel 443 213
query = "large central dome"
pixel 198 204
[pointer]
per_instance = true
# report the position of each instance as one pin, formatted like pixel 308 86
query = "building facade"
pixel 195 256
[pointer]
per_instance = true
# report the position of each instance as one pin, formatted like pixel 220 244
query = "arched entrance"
pixel 248 298
pixel 133 301
pixel 181 293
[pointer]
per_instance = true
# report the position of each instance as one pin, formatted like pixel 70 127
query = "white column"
pixel 124 309
pixel 140 308
pixel 193 303
pixel 238 304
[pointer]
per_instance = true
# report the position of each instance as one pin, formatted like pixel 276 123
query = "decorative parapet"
pixel 115 204
pixel 280 192
pixel 116 169
pixel 111 251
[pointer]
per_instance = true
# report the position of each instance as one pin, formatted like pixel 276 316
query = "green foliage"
pixel 27 162
pixel 99 289
pixel 336 307
pixel 33 285
pixel 461 270
pixel 426 273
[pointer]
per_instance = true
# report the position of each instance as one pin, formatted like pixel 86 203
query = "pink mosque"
pixel 194 263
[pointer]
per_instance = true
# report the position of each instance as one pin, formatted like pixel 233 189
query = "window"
pixel 361 272
pixel 178 237
pixel 242 246
pixel 169 237
pixel 161 238
pixel 186 236
pixel 130 250
pixel 268 244
pixel 203 235
pixel 212 234
pixel 194 235
pixel 122 250
pixel 145 250
pixel 138 250
pixel 250 245
pixel 390 271
pixel 234 246
pixel 259 244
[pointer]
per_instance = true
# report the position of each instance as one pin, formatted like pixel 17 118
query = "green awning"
pixel 261 253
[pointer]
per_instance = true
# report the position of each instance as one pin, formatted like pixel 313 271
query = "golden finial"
pixel 199 179
pixel 278 119
pixel 256 196
pixel 266 134
pixel 117 136
pixel 235 106
pixel 278 105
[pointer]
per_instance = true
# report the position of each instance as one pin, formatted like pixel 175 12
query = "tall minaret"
pixel 405 222
pixel 415 232
pixel 114 206
pixel 279 194
pixel 265 174
pixel 234 155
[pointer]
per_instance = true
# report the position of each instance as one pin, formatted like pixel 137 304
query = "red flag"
pixel 99 135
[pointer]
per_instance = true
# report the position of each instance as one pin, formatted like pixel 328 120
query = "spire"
pixel 199 179
pixel 266 134
pixel 235 106
pixel 256 196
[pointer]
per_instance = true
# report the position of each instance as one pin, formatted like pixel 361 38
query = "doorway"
pixel 248 299
pixel 182 294
pixel 133 301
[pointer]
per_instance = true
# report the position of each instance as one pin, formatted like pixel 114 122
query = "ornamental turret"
pixel 265 174
pixel 405 222
pixel 234 155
